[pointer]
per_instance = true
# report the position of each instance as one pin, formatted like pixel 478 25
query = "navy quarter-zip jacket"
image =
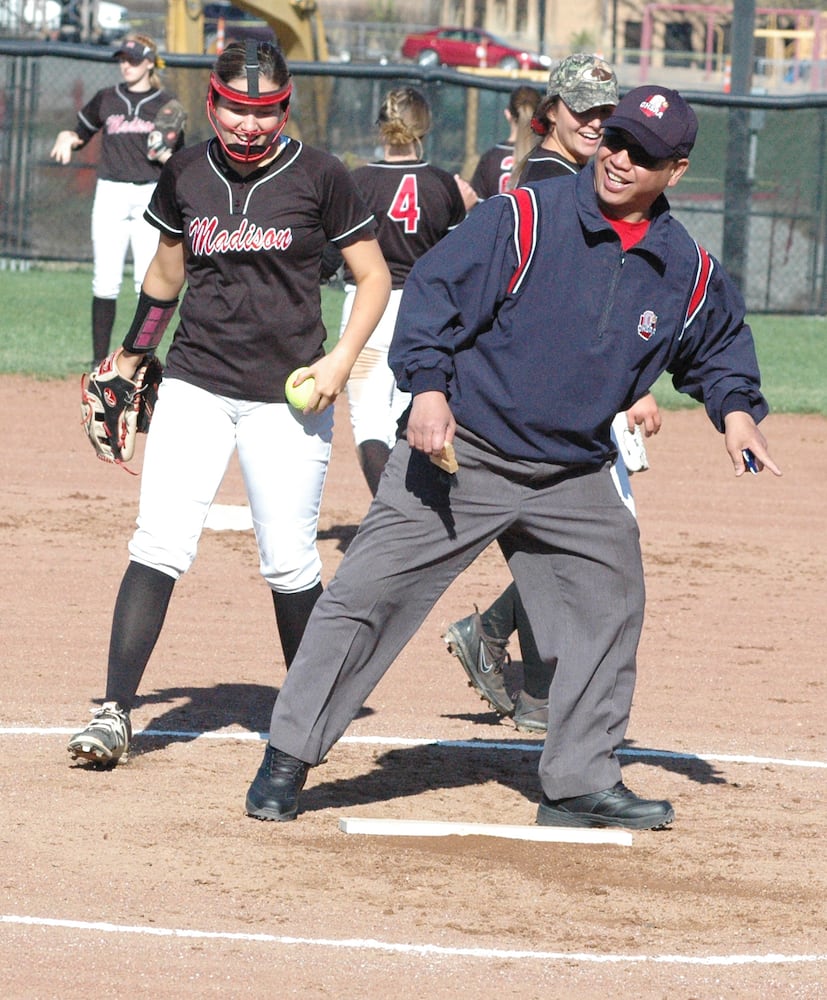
pixel 539 328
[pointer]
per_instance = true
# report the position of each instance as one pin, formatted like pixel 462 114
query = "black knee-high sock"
pixel 373 457
pixel 139 616
pixel 103 319
pixel 536 672
pixel 500 619
pixel 292 612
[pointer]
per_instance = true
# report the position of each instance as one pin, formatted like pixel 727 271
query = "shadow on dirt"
pixel 510 760
pixel 414 770
pixel 204 710
pixel 341 533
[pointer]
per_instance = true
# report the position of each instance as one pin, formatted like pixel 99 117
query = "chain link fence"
pixel 754 194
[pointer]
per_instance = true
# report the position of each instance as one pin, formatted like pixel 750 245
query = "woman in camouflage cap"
pixel 581 94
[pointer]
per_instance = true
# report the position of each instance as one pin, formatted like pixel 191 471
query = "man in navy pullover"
pixel 520 335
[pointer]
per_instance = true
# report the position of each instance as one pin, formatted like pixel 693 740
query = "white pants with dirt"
pixel 283 456
pixel 376 402
pixel 118 223
pixel 573 549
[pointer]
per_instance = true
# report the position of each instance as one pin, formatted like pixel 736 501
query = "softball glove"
pixel 116 409
pixel 167 131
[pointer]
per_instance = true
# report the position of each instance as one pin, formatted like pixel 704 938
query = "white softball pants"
pixel 376 403
pixel 118 222
pixel 620 477
pixel 283 456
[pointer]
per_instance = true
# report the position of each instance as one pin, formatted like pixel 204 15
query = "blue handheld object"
pixel 749 461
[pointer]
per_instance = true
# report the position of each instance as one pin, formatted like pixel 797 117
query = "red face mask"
pixel 248 151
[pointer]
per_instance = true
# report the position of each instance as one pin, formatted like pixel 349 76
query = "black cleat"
pixel 530 714
pixel 482 658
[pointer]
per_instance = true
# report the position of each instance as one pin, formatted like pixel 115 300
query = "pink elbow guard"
pixel 149 323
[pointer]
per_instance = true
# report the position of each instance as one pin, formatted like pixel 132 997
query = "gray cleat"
pixel 482 657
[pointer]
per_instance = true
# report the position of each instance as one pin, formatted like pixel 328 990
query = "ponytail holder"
pixel 539 127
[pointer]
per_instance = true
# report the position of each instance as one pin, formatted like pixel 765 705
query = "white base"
pixel 427 828
pixel 229 517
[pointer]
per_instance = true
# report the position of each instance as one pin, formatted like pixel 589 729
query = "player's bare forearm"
pixel 165 275
pixel 430 424
pixel 373 285
pixel 369 303
pixel 163 282
pixel 373 288
pixel 741 434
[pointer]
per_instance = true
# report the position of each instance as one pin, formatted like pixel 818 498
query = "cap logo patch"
pixel 599 73
pixel 654 106
pixel 648 324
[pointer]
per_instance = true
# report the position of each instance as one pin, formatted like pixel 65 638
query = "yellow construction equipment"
pixel 297 24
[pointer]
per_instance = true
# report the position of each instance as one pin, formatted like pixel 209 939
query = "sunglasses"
pixel 616 141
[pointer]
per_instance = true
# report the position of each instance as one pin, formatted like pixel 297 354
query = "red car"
pixel 468 47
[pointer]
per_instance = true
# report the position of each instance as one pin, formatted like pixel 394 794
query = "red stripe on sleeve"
pixel 525 232
pixel 702 276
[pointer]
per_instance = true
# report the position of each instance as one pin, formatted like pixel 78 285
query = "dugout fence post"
pixel 819 262
pixel 20 114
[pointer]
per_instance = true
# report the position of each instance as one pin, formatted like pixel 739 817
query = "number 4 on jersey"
pixel 405 204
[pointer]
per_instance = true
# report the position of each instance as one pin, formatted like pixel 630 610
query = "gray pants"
pixel 573 550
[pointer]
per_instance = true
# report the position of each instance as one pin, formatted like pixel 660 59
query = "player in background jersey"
pixel 415 205
pixel 493 171
pixel 243 220
pixel 582 92
pixel 124 116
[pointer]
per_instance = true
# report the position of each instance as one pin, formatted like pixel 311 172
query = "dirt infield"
pixel 149 881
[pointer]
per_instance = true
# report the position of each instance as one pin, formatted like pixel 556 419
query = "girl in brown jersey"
pixel 243 220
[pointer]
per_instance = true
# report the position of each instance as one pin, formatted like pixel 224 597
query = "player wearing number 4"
pixel 415 204
pixel 243 218
pixel 520 336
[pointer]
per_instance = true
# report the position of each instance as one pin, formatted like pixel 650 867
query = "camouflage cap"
pixel 583 82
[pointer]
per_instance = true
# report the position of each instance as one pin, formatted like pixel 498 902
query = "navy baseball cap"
pixel 135 50
pixel 659 118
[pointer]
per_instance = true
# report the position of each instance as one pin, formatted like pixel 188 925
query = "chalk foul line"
pixel 405 741
pixel 403 948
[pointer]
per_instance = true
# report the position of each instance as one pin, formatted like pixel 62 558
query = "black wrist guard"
pixel 151 319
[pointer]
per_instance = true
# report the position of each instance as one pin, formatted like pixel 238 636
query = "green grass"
pixel 791 354
pixel 47 314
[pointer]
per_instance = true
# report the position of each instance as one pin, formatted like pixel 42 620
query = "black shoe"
pixel 482 657
pixel 530 714
pixel 616 806
pixel 274 793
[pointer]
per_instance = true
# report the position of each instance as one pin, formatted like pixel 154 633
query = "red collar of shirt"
pixel 630 233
